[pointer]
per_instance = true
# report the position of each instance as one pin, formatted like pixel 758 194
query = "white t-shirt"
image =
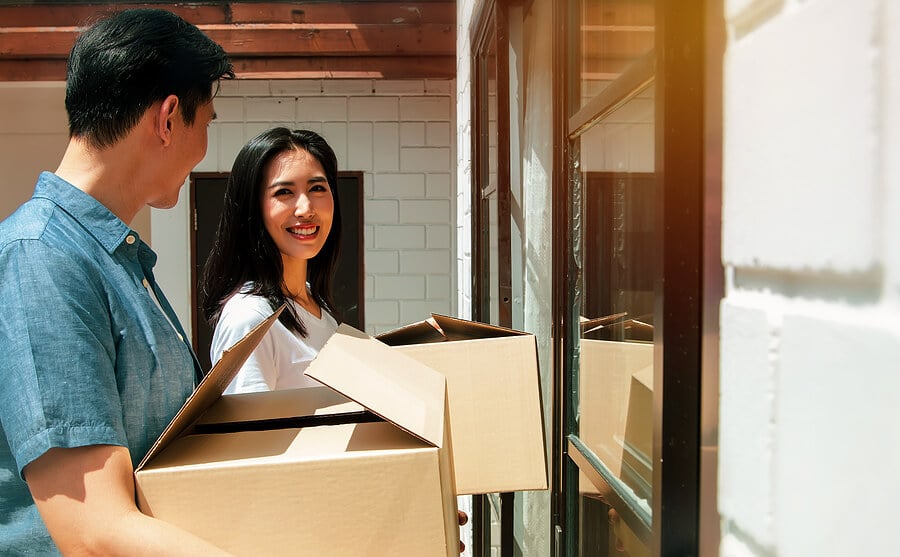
pixel 280 359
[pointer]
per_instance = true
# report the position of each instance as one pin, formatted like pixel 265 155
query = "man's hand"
pixel 86 498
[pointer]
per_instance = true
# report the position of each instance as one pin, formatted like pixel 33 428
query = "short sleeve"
pixel 239 316
pixel 58 364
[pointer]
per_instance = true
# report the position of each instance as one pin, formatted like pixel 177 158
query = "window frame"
pixel 491 23
pixel 684 287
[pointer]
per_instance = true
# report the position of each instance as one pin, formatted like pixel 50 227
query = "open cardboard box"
pixel 495 400
pixel 360 467
pixel 616 409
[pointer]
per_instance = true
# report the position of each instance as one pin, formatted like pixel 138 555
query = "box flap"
pixel 589 325
pixel 495 411
pixel 461 329
pixel 416 333
pixel 211 387
pixel 439 328
pixel 285 403
pixel 387 382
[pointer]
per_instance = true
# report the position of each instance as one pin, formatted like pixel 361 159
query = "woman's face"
pixel 297 204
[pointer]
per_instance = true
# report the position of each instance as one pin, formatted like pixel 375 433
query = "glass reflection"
pixel 489 174
pixel 619 247
pixel 616 347
pixel 613 35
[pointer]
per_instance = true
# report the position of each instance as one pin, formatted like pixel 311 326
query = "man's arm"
pixel 86 497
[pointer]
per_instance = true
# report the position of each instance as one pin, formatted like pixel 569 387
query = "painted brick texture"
pixel 810 325
pixel 836 409
pixel 746 392
pixel 801 134
pixel 890 149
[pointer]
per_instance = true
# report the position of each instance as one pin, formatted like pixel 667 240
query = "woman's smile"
pixel 304 231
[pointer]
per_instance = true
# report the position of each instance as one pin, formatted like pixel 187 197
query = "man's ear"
pixel 166 117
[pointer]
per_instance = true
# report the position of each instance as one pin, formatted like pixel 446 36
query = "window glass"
pixel 487 244
pixel 614 35
pixel 488 175
pixel 613 136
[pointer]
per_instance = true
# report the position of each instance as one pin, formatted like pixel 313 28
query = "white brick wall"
pixel 802 110
pixel 836 417
pixel 891 144
pixel 397 133
pixel 746 387
pixel 810 325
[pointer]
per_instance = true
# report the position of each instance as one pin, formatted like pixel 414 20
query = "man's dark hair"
pixel 125 62
pixel 244 252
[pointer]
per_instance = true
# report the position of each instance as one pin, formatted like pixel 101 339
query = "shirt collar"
pixel 108 229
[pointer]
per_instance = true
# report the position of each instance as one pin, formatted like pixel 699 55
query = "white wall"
pixel 536 151
pixel 624 140
pixel 810 324
pixel 463 214
pixel 464 11
pixel 33 138
pixel 400 135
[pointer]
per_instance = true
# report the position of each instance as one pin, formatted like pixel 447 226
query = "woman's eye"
pixel 282 191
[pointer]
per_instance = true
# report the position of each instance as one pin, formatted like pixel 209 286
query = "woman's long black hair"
pixel 244 252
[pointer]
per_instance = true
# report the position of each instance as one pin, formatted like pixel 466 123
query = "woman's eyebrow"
pixel 279 184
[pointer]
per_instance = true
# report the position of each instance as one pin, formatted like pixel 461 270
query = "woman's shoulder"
pixel 242 305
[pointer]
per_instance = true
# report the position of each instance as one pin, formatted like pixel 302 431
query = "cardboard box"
pixel 637 454
pixel 363 467
pixel 495 400
pixel 615 408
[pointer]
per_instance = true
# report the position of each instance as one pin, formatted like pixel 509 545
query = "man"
pixel 94 362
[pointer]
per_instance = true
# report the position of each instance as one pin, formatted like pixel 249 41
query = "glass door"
pixel 631 314
pixel 612 141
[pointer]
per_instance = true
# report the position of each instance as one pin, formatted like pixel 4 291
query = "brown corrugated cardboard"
pixel 368 487
pixel 637 456
pixel 494 397
pixel 245 407
pixel 615 409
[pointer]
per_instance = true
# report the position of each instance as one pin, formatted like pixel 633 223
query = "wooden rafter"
pixel 271 40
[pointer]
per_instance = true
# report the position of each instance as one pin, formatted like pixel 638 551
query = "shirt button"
pixel 181 338
pixel 146 283
pixel 129 239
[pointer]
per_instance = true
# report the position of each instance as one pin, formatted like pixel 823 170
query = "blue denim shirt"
pixel 88 356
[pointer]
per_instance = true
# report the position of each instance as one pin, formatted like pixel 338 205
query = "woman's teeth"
pixel 303 231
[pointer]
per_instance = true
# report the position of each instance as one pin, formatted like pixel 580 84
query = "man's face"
pixel 188 147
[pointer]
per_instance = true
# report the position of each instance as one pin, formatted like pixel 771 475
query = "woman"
pixel 277 243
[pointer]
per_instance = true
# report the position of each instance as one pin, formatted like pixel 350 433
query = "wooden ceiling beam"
pixel 281 39
pixel 56 15
pixel 334 12
pixel 32 70
pixel 334 39
pixel 265 39
pixel 374 67
pixel 315 67
pixel 81 15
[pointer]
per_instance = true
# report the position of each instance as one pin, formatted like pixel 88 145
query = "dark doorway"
pixel 207 191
